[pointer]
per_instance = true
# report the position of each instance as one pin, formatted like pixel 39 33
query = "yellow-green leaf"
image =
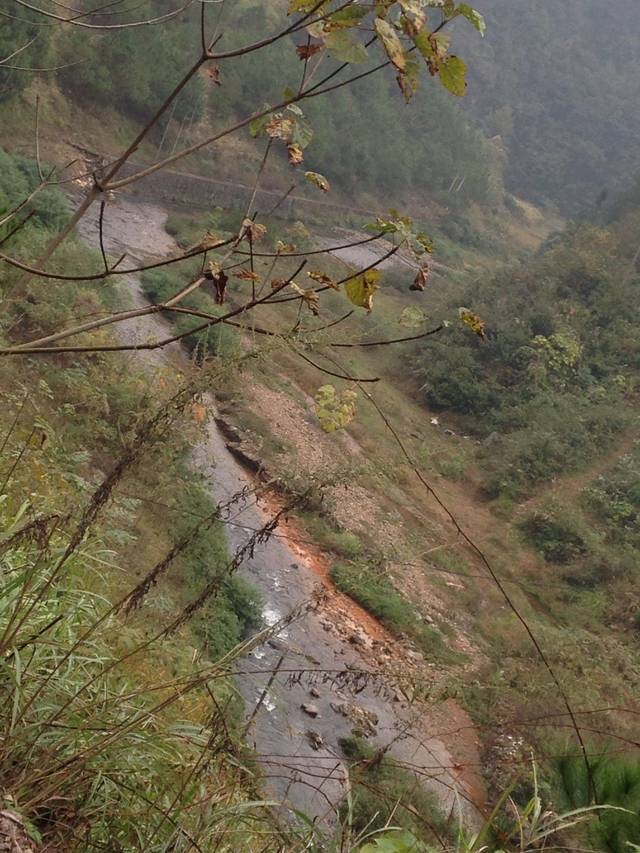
pixel 342 46
pixel 348 17
pixel 301 6
pixel 452 75
pixel 360 288
pixel 335 410
pixel 472 321
pixel 473 17
pixel 318 180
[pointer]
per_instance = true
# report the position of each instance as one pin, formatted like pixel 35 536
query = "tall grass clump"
pixel 615 780
pixel 107 739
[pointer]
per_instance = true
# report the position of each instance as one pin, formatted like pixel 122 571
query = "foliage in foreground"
pixel 91 754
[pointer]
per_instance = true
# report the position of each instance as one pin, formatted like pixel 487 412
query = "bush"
pixel 236 608
pixel 218 339
pixel 116 70
pixel 554 535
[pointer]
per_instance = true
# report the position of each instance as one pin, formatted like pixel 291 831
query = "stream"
pixel 298 749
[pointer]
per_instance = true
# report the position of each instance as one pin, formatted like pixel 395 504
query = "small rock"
pixel 310 709
pixel 313 691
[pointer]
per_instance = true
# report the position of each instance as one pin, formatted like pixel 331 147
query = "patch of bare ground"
pixel 360 510
pixel 571 486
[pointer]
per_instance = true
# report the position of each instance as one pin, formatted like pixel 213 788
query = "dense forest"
pixel 558 135
pixel 417 150
pixel 553 379
pixel 553 84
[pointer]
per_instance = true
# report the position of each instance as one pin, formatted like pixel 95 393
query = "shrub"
pixel 554 535
pixel 218 339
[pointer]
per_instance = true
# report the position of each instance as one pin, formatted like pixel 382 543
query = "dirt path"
pixel 299 749
pixel 570 486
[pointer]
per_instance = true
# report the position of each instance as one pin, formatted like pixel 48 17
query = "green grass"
pixel 369 586
pixel 218 339
pixel 105 718
pixel 383 792
pixel 341 542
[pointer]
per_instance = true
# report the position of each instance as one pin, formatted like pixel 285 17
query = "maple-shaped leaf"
pixel 295 154
pixel 305 51
pixel 318 180
pixel 421 279
pixel 360 288
pixel 312 301
pixel 219 280
pixel 472 321
pixel 208 241
pixel 409 79
pixel 213 73
pixel 309 297
pixel 322 278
